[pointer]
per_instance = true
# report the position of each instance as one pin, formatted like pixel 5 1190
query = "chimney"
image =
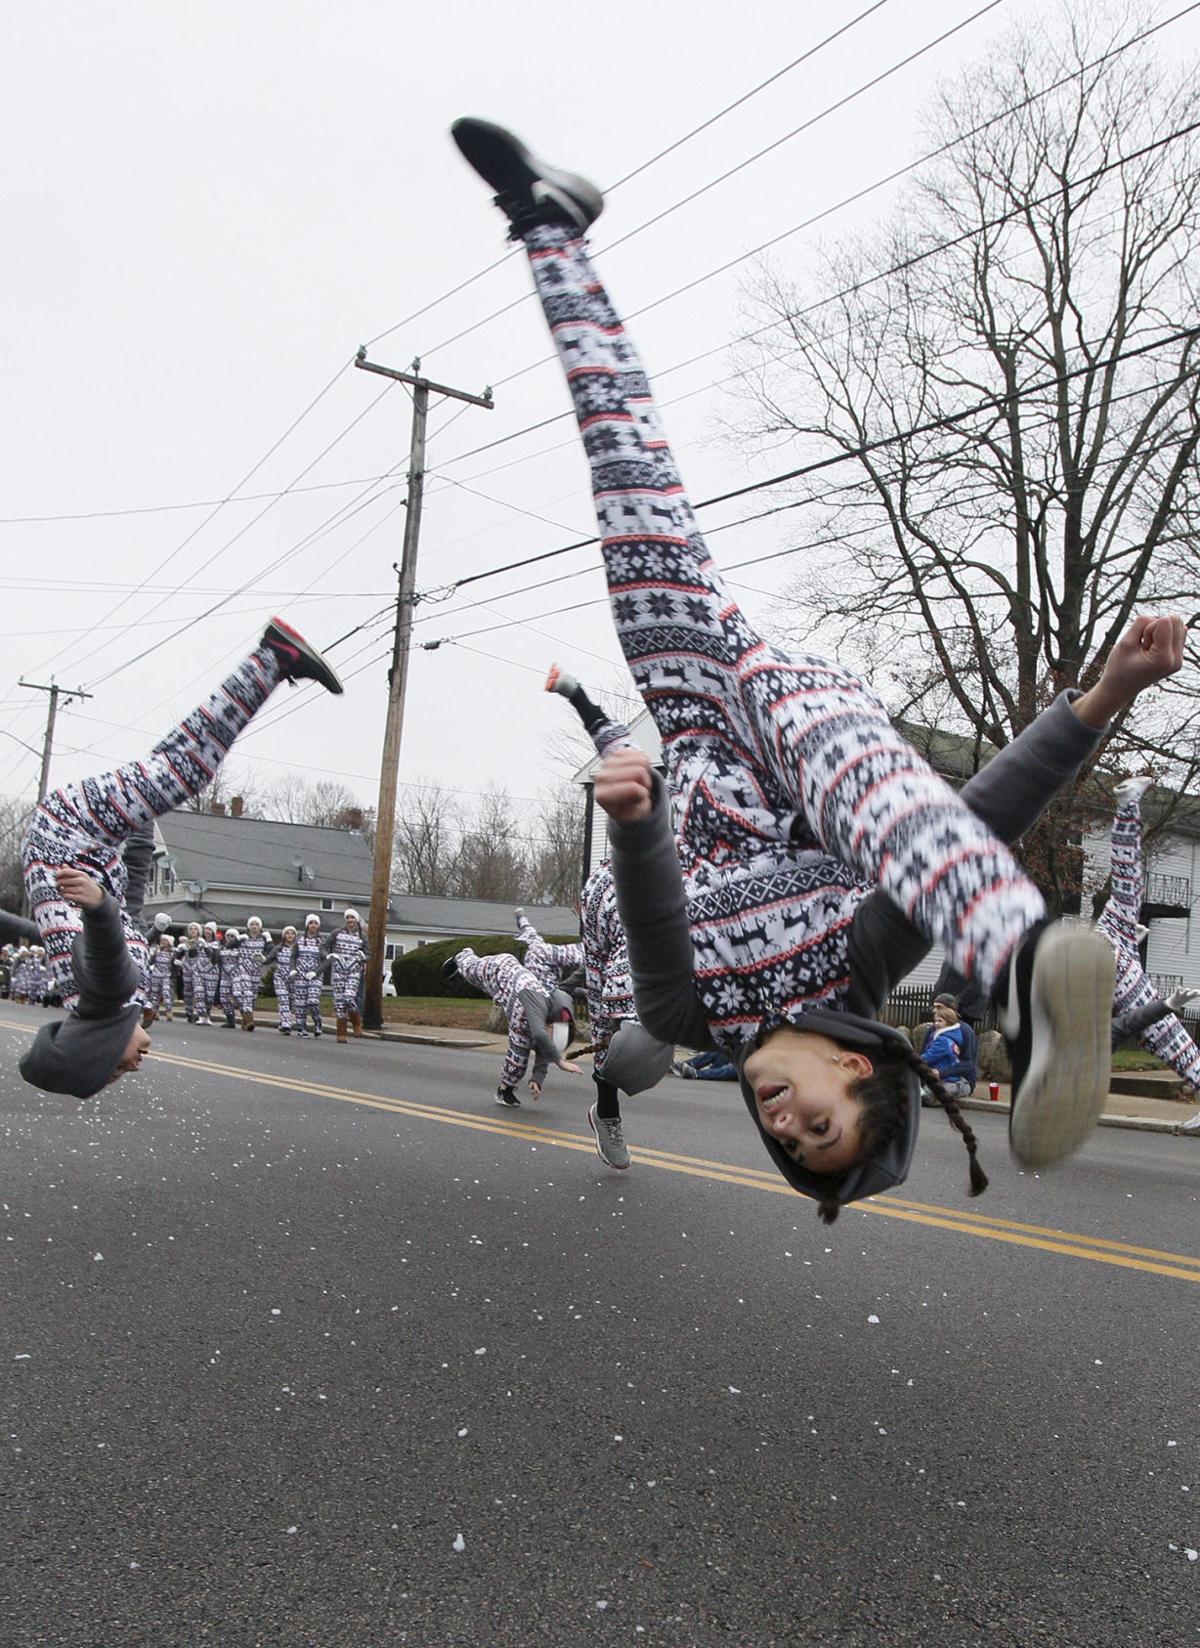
pixel 217 809
pixel 235 806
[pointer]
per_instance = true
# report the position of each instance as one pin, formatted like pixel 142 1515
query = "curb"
pixel 1137 1124
pixel 422 1041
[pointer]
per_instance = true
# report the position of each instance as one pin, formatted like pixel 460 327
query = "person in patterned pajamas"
pixel 549 963
pixel 228 969
pixel 206 973
pixel 533 1020
pixel 348 948
pixel 161 996
pixel 306 978
pixel 798 802
pixel 626 1058
pixel 252 955
pixel 75 876
pixel 284 957
pixel 1138 1009
pixel 189 960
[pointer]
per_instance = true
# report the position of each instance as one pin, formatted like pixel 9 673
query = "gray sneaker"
pixel 610 1139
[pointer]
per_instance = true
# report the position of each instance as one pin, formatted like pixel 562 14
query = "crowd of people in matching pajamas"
pixel 218 977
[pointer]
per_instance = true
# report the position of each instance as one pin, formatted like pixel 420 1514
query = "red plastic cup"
pixel 994 1091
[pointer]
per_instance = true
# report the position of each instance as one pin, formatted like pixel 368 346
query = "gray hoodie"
pixel 79 1054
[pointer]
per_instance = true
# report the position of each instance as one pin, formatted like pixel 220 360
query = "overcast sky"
pixel 209 206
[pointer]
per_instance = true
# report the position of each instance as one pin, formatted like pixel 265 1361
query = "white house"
pixel 224 867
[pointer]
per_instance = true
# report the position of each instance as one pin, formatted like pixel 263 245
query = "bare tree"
pixel 555 862
pixel 229 781
pixel 294 799
pixel 1011 374
pixel 426 839
pixel 14 817
pixel 490 862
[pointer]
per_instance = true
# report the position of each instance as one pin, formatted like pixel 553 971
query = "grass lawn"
pixel 442 1012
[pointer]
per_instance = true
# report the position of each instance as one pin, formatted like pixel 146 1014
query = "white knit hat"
pixel 310 918
pixel 346 914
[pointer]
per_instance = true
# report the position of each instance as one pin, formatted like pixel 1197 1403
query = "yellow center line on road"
pixel 1177 1266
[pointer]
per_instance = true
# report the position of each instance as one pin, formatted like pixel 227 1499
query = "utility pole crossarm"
pixel 414 381
pixel 56 693
pixel 389 767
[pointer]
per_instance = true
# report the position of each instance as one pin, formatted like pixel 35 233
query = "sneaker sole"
pixel 320 669
pixel 1065 1088
pixel 618 1167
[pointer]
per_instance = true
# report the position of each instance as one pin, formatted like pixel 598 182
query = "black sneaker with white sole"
pixel 297 659
pixel 450 967
pixel 507 1097
pixel 1056 1021
pixel 528 192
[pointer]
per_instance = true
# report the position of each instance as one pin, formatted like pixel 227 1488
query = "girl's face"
pixel 943 1015
pixel 801 1083
pixel 312 929
pixel 352 924
pixel 135 1051
pixel 193 931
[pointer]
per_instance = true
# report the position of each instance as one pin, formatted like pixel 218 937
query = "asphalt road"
pixel 306 1344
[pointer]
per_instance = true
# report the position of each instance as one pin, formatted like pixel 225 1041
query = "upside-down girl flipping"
pixel 815 843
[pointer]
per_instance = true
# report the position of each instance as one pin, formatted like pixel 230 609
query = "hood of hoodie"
pixel 79 1055
pixel 889 1166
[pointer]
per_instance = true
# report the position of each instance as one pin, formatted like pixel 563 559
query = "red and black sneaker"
pixel 298 661
pixel 528 192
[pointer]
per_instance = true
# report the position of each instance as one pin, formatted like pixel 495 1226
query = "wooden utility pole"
pixel 389 766
pixel 56 692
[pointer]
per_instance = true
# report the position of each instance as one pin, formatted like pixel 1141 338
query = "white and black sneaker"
pixel 528 192
pixel 450 967
pixel 297 659
pixel 1056 1021
pixel 507 1097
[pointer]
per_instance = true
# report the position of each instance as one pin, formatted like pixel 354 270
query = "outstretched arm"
pixel 650 899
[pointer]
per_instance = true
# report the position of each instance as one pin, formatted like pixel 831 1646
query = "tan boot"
pixel 341 1030
pixel 148 1017
pixel 247 1021
pixel 356 1022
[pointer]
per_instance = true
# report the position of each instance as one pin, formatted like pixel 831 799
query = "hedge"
pixel 419 972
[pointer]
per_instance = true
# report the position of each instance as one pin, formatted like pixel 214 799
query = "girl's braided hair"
pixel 883 1095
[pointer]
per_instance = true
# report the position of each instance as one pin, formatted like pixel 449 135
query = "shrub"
pixel 419 973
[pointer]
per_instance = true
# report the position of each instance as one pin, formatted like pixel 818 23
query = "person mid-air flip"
pixel 75 877
pixel 817 850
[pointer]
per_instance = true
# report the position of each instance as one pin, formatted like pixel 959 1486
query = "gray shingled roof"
pixel 268 855
pixel 260 855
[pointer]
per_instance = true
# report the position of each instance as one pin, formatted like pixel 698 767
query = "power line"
pixel 852 199
pixel 832 108
pixel 678 143
pixel 993 404
pixel 195 503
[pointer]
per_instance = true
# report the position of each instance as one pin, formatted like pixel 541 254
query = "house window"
pixel 389 951
pixel 327 904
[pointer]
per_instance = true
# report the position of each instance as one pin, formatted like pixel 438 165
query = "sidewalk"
pixel 1135 1110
